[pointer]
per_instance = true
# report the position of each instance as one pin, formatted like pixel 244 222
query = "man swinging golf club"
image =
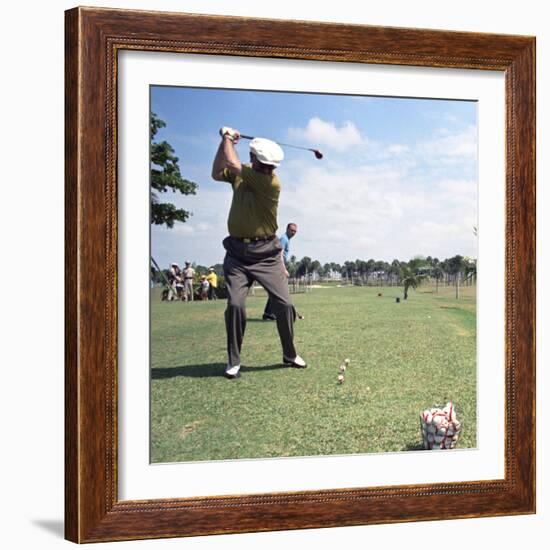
pixel 253 252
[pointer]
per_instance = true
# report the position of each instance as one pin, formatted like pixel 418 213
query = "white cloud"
pixel 183 229
pixel 192 226
pixel 326 134
pixel 376 211
pixel 398 149
pixel 450 146
pixel 204 227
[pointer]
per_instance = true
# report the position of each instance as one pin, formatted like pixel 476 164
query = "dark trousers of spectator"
pixel 212 293
pixel 245 263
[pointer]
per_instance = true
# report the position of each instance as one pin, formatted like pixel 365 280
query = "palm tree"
pixel 456 267
pixel 395 271
pixel 349 268
pixel 362 268
pixel 410 280
pixel 292 266
pixel 470 270
pixel 315 267
pixel 437 274
pixel 304 266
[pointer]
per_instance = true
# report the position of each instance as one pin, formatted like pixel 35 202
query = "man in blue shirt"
pixel 291 230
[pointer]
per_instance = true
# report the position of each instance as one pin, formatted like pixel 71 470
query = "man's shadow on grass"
pixel 415 446
pixel 207 370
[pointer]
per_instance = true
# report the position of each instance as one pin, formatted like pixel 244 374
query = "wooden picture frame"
pixel 93 511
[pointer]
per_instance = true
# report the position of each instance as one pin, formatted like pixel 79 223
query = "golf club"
pixel 316 152
pixel 166 281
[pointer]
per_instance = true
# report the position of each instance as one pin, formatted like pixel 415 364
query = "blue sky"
pixel 398 178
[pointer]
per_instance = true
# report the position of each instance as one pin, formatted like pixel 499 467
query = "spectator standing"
pixel 291 230
pixel 175 282
pixel 205 285
pixel 212 279
pixel 188 278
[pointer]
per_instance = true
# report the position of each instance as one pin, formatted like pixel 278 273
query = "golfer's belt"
pixel 255 239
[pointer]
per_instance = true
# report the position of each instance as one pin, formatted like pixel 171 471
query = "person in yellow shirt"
pixel 253 251
pixel 212 278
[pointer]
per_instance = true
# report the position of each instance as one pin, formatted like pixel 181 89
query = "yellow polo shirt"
pixel 212 278
pixel 253 210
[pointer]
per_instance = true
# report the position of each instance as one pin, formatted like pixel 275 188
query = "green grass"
pixel 404 358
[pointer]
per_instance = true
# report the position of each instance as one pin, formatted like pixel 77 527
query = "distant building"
pixel 334 275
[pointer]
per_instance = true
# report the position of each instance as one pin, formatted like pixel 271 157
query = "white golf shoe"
pixel 297 362
pixel 232 372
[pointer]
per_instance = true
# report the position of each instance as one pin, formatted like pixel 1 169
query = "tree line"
pixel 389 272
pixel 455 270
pixel 452 271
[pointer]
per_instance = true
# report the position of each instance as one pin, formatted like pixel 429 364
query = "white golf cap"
pixel 267 151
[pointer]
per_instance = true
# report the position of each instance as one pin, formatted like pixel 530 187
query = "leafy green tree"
pixel 166 176
pixel 417 263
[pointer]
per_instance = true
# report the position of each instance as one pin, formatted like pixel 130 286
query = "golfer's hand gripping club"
pixel 231 133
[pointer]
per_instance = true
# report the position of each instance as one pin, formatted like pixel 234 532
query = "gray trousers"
pixel 188 289
pixel 243 264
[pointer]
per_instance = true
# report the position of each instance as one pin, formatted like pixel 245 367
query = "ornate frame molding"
pixel 93 39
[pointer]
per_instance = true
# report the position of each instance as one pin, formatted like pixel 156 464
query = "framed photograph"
pixel 296 265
